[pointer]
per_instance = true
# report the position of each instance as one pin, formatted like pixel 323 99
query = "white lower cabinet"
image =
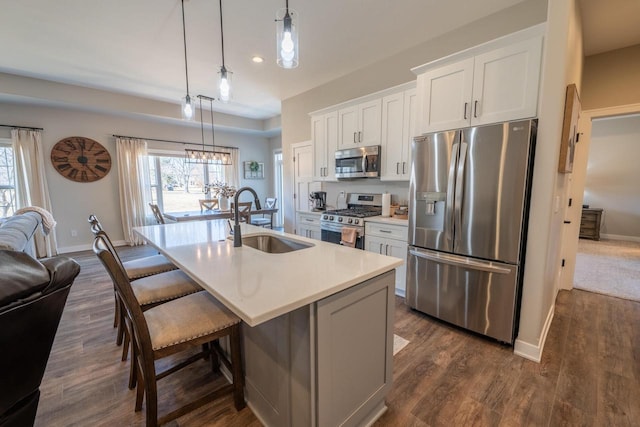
pixel 391 240
pixel 308 225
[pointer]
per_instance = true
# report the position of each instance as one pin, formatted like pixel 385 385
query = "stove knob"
pixel 325 217
pixel 357 221
pixel 331 218
pixel 350 220
pixel 339 219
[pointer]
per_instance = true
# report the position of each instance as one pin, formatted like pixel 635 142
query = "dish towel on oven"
pixel 349 236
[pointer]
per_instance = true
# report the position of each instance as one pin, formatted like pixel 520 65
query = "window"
pixel 177 185
pixel 7 179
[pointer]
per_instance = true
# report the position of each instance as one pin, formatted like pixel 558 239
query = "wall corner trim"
pixel 530 351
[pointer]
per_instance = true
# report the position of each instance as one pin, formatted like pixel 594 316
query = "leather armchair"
pixel 32 297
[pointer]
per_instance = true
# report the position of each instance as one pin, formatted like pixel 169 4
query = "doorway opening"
pixel 608 251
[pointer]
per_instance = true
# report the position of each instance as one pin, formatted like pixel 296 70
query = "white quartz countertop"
pixel 259 286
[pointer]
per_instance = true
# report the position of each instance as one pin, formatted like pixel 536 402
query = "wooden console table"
pixel 590 223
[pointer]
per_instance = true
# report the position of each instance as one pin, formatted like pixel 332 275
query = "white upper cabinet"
pixel 360 125
pixel 446 93
pixel 324 134
pixel 398 129
pixel 492 87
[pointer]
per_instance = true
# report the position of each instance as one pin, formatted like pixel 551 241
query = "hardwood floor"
pixel 589 375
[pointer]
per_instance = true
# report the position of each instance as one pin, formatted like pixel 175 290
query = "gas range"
pixel 352 216
pixel 360 206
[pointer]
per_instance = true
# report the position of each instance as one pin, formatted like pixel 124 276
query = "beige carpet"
pixel 610 267
pixel 398 343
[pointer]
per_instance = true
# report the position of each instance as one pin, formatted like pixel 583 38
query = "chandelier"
pixel 206 156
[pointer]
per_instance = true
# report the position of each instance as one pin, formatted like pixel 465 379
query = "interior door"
pixel 491 179
pixel 303 175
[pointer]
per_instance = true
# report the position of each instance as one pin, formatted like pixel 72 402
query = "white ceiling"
pixel 135 47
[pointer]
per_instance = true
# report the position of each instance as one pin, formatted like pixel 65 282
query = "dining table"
pixel 210 214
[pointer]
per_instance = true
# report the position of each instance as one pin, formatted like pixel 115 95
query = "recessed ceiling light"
pixel 257 59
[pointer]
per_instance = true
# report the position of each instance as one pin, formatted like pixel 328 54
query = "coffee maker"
pixel 318 200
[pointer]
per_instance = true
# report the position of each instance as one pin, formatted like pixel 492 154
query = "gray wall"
pixel 73 202
pixel 612 79
pixel 613 175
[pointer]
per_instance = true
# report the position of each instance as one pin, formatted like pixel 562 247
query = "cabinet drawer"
pixel 389 231
pixel 309 219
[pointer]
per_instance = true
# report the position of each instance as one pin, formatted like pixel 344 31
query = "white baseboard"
pixel 400 293
pixel 620 237
pixel 534 351
pixel 86 247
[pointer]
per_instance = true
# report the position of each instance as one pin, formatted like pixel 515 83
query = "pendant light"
pixel 287 37
pixel 187 102
pixel 224 80
pixel 203 156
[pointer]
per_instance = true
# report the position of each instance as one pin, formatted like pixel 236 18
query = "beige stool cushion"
pixel 187 318
pixel 147 266
pixel 163 287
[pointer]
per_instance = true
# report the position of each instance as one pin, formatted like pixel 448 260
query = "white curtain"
pixel 135 189
pixel 31 183
pixel 232 172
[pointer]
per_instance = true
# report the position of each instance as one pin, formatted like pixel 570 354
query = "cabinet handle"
pixel 403 165
pixel 308 220
pixel 354 137
pixel 385 231
pixel 475 108
pixel 359 136
pixel 386 250
pixel 397 168
pixel 465 110
pixel 380 250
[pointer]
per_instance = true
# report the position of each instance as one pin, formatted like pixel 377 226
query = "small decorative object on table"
pixel 253 170
pixel 223 192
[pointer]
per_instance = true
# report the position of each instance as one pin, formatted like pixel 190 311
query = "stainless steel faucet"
pixel 237 236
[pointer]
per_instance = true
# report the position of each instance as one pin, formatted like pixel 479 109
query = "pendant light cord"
pixel 221 34
pixel 184 39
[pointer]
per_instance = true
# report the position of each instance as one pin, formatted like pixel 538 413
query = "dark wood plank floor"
pixel 589 375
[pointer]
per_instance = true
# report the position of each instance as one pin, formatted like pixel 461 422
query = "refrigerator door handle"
pixel 449 202
pixel 458 193
pixel 460 261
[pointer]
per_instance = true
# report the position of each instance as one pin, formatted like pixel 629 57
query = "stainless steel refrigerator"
pixel 468 210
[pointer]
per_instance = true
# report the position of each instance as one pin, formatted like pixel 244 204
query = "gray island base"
pixel 326 364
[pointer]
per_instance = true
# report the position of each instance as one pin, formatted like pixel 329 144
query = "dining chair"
pixel 261 221
pixel 208 204
pixel 244 211
pixel 156 213
pixel 196 320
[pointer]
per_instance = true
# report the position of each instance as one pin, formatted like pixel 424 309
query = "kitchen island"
pixel 317 321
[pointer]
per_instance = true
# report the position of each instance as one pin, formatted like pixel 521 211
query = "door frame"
pixel 576 190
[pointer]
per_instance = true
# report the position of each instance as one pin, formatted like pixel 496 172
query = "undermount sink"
pixel 272 244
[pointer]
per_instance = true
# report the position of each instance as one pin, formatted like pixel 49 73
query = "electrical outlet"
pixel 74 233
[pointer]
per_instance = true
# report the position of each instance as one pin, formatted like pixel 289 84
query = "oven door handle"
pixel 365 163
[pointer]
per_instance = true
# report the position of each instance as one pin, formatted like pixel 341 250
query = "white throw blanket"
pixel 47 219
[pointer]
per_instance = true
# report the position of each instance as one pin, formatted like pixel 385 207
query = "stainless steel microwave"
pixel 361 162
